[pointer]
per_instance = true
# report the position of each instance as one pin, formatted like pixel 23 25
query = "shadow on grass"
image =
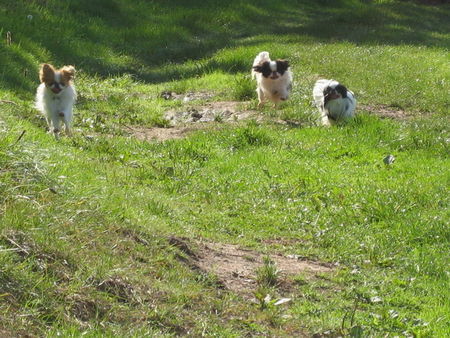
pixel 152 40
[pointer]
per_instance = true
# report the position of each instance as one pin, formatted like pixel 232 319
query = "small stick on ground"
pixel 20 248
pixel 20 137
pixel 8 101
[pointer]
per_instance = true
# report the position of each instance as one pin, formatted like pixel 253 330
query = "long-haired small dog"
pixel 334 101
pixel 274 79
pixel 56 96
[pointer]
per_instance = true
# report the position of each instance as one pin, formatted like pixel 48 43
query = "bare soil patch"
pixel 199 113
pixel 162 134
pixel 221 111
pixel 85 309
pixel 385 111
pixel 196 114
pixel 196 117
pixel 118 287
pixel 236 267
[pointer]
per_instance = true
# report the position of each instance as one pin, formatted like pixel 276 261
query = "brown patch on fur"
pixel 47 73
pixel 67 74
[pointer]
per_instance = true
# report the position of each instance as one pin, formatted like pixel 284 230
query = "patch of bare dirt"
pixel 386 111
pixel 236 267
pixel 118 287
pixel 187 97
pixel 221 111
pixel 86 309
pixel 162 134
pixel 195 116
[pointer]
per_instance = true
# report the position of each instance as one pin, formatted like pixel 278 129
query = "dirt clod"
pixel 84 308
pixel 117 287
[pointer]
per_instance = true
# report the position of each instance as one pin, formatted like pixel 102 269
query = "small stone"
pixel 167 95
pixel 196 115
pixel 389 159
pixel 376 299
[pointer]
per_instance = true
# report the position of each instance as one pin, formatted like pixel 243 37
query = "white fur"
pixel 57 108
pixel 273 66
pixel 344 108
pixel 275 90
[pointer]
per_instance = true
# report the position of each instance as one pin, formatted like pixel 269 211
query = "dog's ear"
pixel 47 73
pixel 68 73
pixel 282 65
pixel 258 68
pixel 341 89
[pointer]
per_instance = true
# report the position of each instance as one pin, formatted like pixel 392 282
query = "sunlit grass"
pixel 85 221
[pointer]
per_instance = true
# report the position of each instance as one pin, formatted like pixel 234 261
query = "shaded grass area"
pixel 149 47
pixel 115 37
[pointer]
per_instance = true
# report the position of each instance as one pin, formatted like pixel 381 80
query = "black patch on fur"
pixel 282 66
pixel 341 90
pixel 264 69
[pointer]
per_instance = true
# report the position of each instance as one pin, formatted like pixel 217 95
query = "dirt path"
pixel 214 114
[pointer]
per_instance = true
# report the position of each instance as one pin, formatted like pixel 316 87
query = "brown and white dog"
pixel 56 96
pixel 274 78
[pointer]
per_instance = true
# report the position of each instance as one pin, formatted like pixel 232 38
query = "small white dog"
pixel 274 79
pixel 56 96
pixel 334 101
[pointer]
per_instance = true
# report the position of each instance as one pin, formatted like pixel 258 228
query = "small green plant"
pixel 250 135
pixel 267 275
pixel 244 88
pixel 218 118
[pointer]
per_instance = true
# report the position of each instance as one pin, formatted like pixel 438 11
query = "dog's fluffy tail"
pixel 39 101
pixel 260 58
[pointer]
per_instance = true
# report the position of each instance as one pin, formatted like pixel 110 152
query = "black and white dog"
pixel 334 101
pixel 274 79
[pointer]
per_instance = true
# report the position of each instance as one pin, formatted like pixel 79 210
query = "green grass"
pixel 86 222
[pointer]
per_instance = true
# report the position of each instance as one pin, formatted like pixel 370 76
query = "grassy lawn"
pixel 101 234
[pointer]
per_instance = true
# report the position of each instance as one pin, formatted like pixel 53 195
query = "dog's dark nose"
pixel 274 75
pixel 55 87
